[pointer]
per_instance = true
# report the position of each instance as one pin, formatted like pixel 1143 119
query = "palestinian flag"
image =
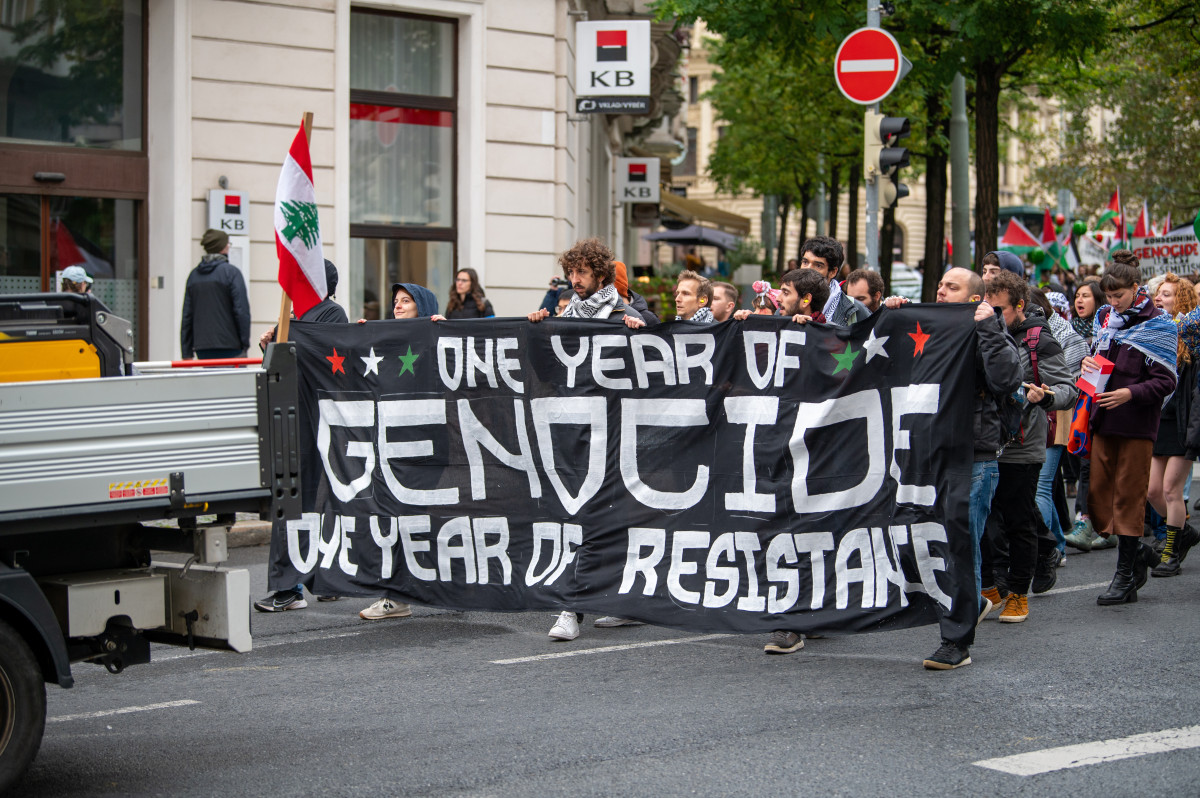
pixel 1017 239
pixel 1144 227
pixel 1050 244
pixel 1165 229
pixel 1113 211
pixel 298 231
pixel 1121 239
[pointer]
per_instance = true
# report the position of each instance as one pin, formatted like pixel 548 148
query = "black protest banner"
pixel 745 477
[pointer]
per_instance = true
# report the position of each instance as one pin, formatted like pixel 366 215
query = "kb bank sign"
pixel 637 180
pixel 612 67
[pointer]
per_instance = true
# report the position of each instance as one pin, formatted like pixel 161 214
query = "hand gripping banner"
pixel 737 477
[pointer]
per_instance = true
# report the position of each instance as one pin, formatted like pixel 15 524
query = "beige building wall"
pixel 229 81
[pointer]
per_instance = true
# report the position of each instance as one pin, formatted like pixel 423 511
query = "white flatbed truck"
pixel 87 466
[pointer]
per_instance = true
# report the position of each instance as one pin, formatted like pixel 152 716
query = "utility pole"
pixel 960 180
pixel 872 180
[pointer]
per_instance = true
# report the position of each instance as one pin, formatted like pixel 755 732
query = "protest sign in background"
pixel 1177 252
pixel 738 477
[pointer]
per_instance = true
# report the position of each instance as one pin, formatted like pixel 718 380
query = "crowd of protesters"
pixel 1123 451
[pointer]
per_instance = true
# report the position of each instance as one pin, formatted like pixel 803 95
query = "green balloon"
pixel 1037 256
pixel 1080 227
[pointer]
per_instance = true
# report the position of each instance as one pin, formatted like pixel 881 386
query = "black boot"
pixel 1144 558
pixel 1179 541
pixel 1123 589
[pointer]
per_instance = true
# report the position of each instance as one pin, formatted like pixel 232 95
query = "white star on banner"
pixel 874 346
pixel 373 362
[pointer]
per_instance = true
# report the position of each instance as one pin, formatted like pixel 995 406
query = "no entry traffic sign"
pixel 868 65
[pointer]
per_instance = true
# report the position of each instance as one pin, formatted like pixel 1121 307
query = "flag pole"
pixel 285 302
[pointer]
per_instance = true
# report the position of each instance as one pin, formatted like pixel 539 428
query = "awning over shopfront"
pixel 697 236
pixel 693 212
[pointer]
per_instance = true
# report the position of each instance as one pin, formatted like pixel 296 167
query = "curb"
pixel 249 533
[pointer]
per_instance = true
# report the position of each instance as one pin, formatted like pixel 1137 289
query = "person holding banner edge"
pixel 997 376
pixel 591 269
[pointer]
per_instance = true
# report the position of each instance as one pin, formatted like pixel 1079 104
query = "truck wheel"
pixel 22 706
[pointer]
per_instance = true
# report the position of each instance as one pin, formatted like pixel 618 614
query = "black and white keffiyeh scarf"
pixel 701 316
pixel 599 305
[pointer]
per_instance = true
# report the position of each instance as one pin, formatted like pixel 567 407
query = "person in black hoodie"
pixel 324 312
pixel 216 309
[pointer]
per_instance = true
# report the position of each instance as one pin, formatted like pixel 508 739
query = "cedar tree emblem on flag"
pixel 637 173
pixel 297 230
pixel 610 45
pixel 233 203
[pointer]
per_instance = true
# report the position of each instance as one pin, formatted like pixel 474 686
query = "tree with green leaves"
pixel 1148 85
pixel 999 45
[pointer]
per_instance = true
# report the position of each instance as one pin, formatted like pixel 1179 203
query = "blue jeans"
pixel 1045 494
pixel 984 476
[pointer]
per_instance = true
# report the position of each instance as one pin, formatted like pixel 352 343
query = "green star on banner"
pixel 845 359
pixel 407 360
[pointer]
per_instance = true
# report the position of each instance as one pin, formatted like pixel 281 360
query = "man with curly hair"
pixel 590 269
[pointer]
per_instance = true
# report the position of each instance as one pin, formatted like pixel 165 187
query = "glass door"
pixel 41 236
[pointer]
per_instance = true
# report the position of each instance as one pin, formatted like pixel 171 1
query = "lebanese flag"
pixel 1017 239
pixel 298 230
pixel 1113 211
pixel 1144 227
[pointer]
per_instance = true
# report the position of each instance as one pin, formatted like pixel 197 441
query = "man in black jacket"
pixel 997 375
pixel 216 309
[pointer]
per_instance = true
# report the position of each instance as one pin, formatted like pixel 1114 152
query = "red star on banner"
pixel 337 361
pixel 920 338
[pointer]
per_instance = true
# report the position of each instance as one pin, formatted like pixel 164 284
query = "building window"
pixel 693 90
pixel 71 73
pixel 403 133
pixel 688 167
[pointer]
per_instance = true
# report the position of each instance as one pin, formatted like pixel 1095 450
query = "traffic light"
pixel 881 159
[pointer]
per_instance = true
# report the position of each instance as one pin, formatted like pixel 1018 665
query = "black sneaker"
pixel 948 657
pixel 1046 572
pixel 782 642
pixel 283 600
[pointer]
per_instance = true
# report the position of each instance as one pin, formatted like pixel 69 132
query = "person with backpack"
pixel 1048 386
pixel 1142 342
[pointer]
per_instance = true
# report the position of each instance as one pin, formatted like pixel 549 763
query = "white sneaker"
pixel 385 608
pixel 566 627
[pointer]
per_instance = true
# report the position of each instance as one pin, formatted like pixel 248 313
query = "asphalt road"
pixel 331 705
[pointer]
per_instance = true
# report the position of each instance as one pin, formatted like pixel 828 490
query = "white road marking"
pixel 1076 756
pixel 869 65
pixel 605 649
pixel 1091 586
pixel 122 711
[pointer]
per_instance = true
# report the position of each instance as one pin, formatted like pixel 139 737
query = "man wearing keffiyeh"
pixel 693 296
pixel 590 269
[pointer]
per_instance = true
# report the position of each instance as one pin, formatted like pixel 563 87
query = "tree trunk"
pixel 937 122
pixel 834 191
pixel 852 214
pixel 887 242
pixel 987 156
pixel 785 207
